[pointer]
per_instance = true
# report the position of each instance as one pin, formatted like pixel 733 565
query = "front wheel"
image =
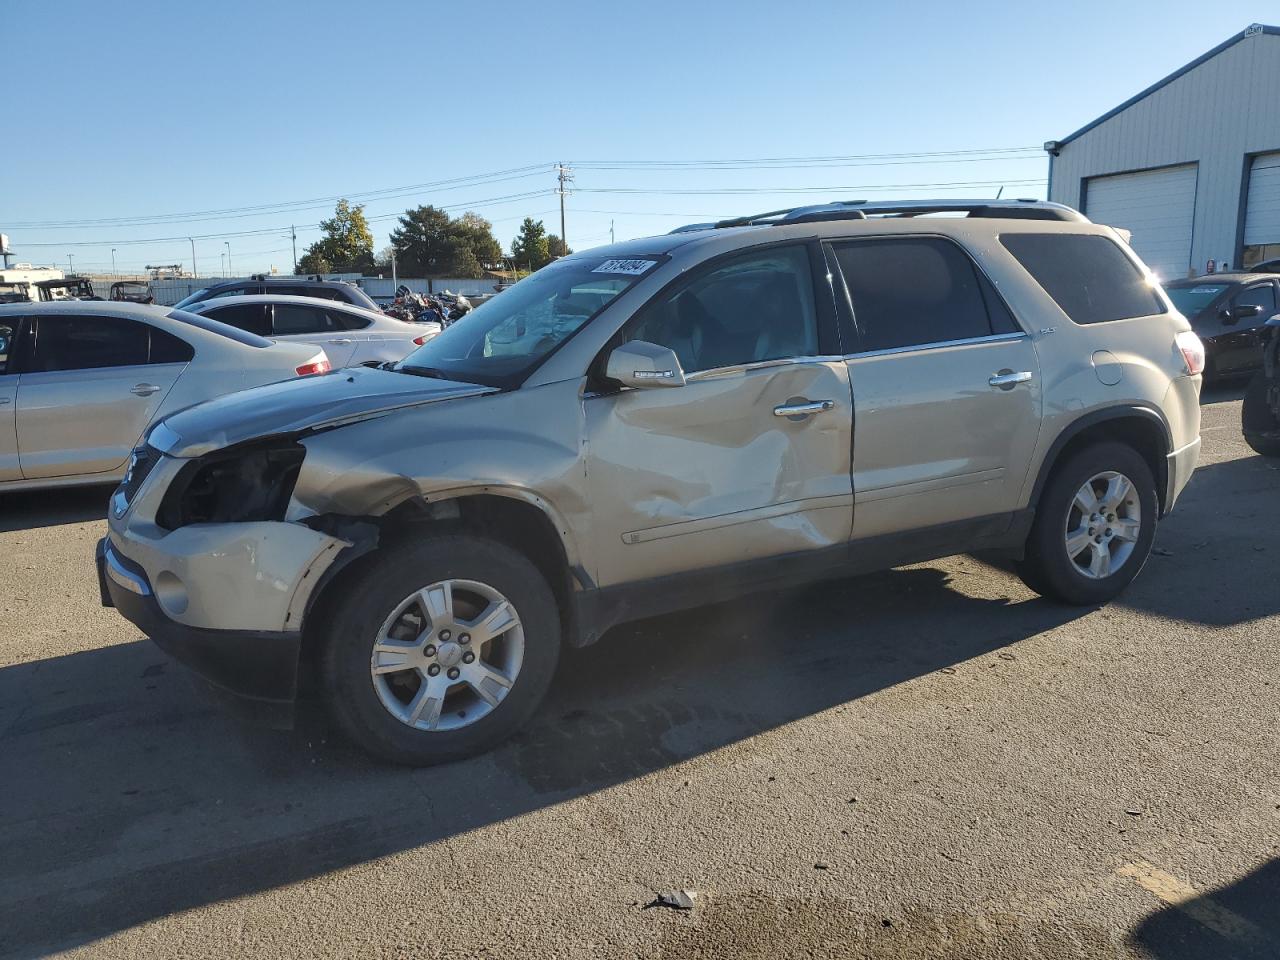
pixel 442 649
pixel 1094 526
pixel 1257 419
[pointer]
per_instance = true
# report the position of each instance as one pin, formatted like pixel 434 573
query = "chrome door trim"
pixel 939 345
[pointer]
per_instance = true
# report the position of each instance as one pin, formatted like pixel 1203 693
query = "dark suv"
pixel 289 287
pixel 1227 311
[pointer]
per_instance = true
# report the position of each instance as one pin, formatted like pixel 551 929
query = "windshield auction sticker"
pixel 630 268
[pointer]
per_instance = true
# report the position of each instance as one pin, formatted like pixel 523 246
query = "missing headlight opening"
pixel 233 486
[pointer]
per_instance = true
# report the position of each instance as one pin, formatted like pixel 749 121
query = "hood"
pixel 298 406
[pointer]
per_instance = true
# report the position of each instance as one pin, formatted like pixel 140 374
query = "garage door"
pixel 1157 206
pixel 1262 206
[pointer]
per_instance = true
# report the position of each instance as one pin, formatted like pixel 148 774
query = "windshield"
pixel 1190 300
pixel 193 298
pixel 500 343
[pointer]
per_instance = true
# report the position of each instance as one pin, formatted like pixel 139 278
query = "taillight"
pixel 317 364
pixel 419 341
pixel 1192 351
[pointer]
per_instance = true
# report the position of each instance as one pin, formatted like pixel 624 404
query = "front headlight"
pixel 239 485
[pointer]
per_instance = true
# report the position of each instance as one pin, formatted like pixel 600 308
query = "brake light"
pixel 1192 351
pixel 419 341
pixel 317 364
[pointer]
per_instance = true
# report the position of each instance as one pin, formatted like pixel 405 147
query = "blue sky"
pixel 159 111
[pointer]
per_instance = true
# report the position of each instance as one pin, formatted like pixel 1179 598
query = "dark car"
pixel 131 291
pixel 1266 266
pixel 286 287
pixel 1227 311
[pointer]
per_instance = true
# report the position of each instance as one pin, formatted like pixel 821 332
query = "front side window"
pixel 755 307
pixel 1264 296
pixel 85 342
pixel 913 291
pixel 501 342
pixel 1087 275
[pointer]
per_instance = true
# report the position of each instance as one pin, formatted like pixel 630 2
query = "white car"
pixel 350 335
pixel 80 381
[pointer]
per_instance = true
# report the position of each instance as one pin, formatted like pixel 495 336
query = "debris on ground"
pixel 674 899
pixel 821 865
pixel 1133 811
pixel 1161 552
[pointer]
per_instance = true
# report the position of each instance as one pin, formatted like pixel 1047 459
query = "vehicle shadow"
pixel 1224 391
pixel 32 509
pixel 1240 922
pixel 128 797
pixel 1220 542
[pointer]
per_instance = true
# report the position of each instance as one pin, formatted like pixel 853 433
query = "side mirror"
pixel 640 364
pixel 1247 310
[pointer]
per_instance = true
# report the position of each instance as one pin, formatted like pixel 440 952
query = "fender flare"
pixel 1127 411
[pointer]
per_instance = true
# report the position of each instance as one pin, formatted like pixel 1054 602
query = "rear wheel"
pixel 443 649
pixel 1094 526
pixel 1258 420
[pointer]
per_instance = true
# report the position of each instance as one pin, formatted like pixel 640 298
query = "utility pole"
pixel 293 232
pixel 611 231
pixel 564 175
pixel 227 244
pixel 394 280
pixel 194 272
pixel 113 261
pixel 71 267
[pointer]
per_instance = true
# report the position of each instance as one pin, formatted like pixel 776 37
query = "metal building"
pixel 1191 165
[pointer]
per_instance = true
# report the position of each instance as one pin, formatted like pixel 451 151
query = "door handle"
pixel 803 409
pixel 1008 379
pixel 144 390
pixel 341 340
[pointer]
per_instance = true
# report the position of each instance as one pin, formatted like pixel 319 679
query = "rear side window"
pixel 912 291
pixel 83 343
pixel 294 320
pixel 212 324
pixel 251 317
pixel 1088 276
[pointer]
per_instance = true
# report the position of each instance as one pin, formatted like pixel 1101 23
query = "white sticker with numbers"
pixel 628 268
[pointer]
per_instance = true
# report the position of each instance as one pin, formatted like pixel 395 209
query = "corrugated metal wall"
pixel 1217 114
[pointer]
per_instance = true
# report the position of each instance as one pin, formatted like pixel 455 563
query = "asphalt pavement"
pixel 929 761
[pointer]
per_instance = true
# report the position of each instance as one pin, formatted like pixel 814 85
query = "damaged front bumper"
pixel 227 600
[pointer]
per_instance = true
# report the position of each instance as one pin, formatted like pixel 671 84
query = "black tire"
pixel 374 596
pixel 1046 567
pixel 1258 421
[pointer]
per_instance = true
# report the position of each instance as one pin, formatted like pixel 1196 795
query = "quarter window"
pixel 753 308
pixel 912 291
pixel 1087 275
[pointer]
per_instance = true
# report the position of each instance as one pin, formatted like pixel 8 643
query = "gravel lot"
pixel 925 762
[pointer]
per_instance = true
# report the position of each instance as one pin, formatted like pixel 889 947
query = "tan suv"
pixel 654 425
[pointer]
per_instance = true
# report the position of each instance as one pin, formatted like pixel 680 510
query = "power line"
pixel 721 191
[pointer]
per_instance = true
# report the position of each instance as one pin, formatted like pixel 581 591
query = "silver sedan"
pixel 81 380
pixel 349 334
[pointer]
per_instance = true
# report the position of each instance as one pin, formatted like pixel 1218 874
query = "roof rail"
pixel 1020 209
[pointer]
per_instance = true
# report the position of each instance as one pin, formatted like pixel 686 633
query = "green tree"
pixel 429 243
pixel 531 248
pixel 346 245
pixel 556 247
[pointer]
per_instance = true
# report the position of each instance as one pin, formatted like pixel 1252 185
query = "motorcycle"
pixel 1260 415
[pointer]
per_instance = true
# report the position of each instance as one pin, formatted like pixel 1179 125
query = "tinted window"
pixel 349 321
pixel 909 291
pixel 755 307
pixel 213 325
pixel 238 291
pixel 8 331
pixel 1190 299
pixel 1089 277
pixel 82 343
pixel 252 317
pixel 166 348
pixel 292 320
pixel 316 292
pixel 1263 296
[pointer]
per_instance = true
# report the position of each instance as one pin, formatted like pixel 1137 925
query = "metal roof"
pixel 1252 30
